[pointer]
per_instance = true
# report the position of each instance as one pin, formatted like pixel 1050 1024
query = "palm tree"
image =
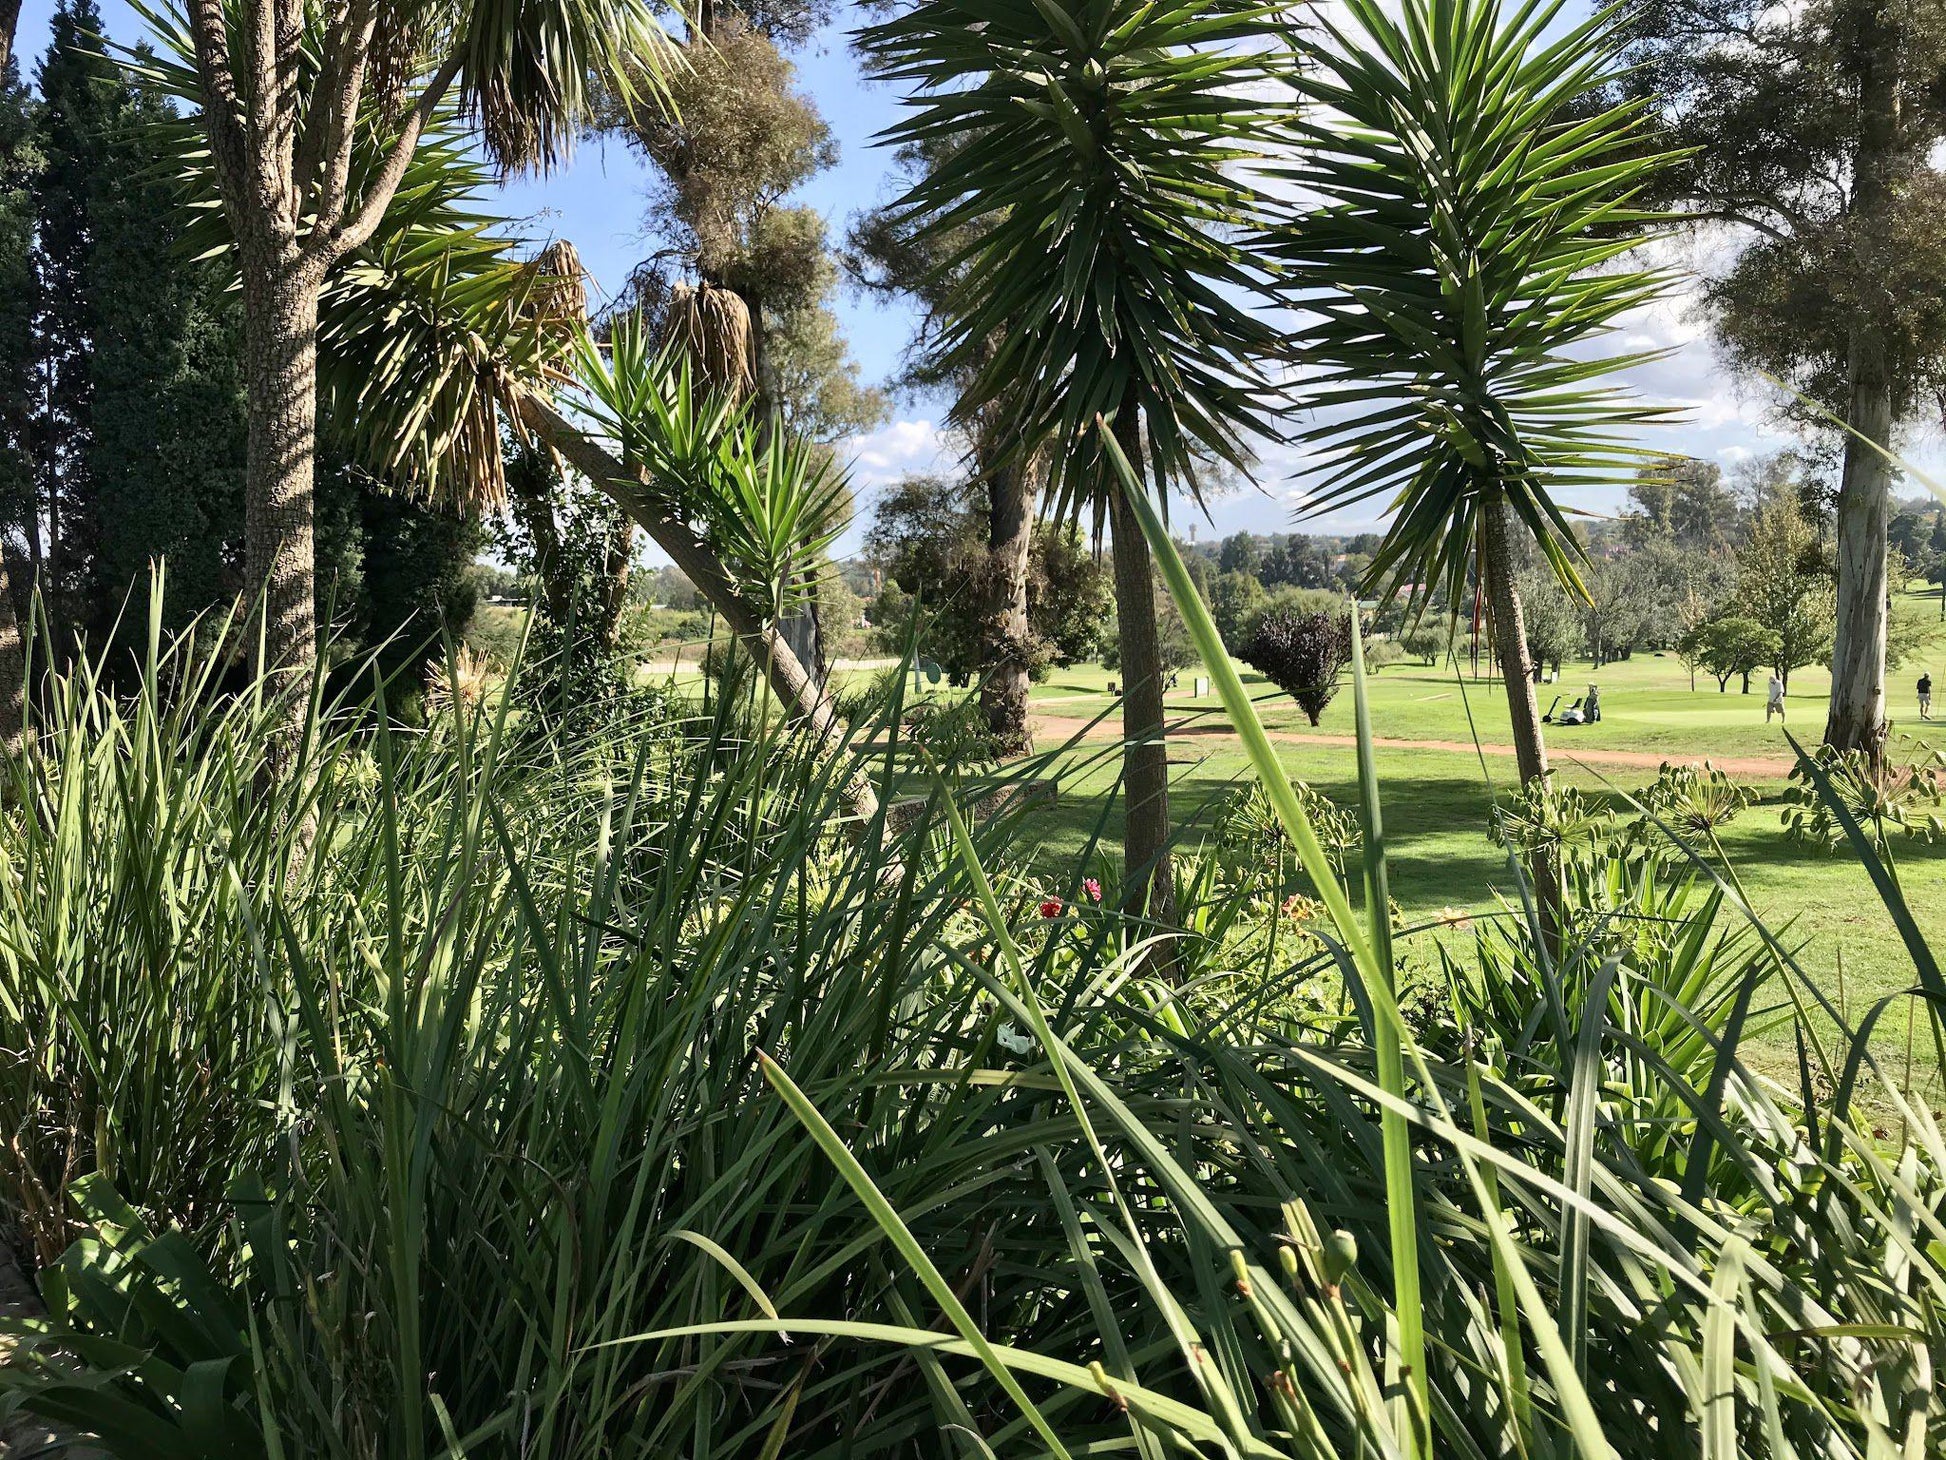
pixel 442 338
pixel 434 338
pixel 312 112
pixel 1088 149
pixel 1468 194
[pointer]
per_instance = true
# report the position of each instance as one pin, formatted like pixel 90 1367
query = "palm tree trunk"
pixel 280 358
pixel 1010 539
pixel 789 679
pixel 1856 719
pixel 1150 881
pixel 1506 624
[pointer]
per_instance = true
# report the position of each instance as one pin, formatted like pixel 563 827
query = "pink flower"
pixel 1051 908
pixel 1092 888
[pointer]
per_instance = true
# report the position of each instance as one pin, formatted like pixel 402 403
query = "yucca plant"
pixel 1697 1305
pixel 1089 184
pixel 435 335
pixel 765 501
pixel 1457 255
pixel 311 116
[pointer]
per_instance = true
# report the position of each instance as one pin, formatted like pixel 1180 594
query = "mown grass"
pixel 1439 801
pixel 1438 806
pixel 1647 708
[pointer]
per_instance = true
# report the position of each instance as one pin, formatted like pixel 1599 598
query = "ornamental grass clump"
pixel 605 1096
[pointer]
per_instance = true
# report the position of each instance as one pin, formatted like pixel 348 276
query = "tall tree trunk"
pixel 13 653
pixel 1151 883
pixel 280 357
pixel 1507 625
pixel 1856 719
pixel 617 559
pixel 532 485
pixel 1010 540
pixel 9 23
pixel 789 679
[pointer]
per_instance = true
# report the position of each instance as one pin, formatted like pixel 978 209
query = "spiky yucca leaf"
pixel 1093 146
pixel 770 503
pixel 1468 204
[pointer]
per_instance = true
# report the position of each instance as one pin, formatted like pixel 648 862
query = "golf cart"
pixel 1584 711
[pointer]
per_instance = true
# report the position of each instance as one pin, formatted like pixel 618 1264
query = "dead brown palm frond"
pixel 711 326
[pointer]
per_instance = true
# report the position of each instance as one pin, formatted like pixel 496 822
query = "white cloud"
pixel 892 451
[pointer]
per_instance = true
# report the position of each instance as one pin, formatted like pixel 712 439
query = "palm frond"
pixel 1469 199
pixel 1097 154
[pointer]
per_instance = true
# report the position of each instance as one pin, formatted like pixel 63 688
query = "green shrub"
pixel 579 1072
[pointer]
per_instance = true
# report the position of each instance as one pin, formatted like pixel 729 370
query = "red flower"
pixel 1051 908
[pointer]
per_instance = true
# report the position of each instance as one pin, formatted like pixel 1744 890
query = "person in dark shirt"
pixel 1925 696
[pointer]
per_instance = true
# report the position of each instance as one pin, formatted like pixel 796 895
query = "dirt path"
pixel 1056 729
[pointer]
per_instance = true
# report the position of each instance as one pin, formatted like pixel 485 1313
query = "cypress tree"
pixel 392 573
pixel 82 95
pixel 165 430
pixel 18 164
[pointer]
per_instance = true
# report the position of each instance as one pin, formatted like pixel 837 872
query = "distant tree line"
pixel 1729 573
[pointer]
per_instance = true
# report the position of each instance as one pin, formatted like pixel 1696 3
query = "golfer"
pixel 1925 696
pixel 1774 701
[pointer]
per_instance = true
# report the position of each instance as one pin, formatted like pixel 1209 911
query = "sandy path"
pixel 1052 730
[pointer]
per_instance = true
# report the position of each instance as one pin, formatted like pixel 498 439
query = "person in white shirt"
pixel 1774 702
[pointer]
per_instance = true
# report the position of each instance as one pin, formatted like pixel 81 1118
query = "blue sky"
pixel 597 202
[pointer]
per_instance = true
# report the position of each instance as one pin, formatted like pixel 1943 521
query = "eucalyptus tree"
pixel 1460 261
pixel 1814 132
pixel 892 251
pixel 312 113
pixel 1093 151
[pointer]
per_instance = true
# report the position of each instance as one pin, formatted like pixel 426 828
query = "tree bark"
pixel 1506 624
pixel 13 656
pixel 617 559
pixel 1010 540
pixel 1856 717
pixel 788 677
pixel 531 487
pixel 1150 885
pixel 9 23
pixel 280 349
